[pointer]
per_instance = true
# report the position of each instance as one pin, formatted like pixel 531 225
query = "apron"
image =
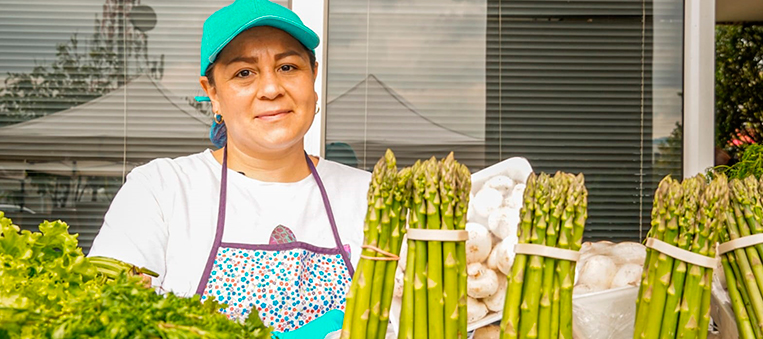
pixel 289 283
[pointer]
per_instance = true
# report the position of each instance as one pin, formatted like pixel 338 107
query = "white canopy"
pixel 137 122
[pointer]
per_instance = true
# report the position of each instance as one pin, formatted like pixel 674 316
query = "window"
pixel 93 88
pixel 578 86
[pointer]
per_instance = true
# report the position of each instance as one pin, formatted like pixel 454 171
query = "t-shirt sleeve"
pixel 134 230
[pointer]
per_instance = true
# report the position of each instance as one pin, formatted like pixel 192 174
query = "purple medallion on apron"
pixel 289 282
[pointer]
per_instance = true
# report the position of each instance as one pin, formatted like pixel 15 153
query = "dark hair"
pixel 310 55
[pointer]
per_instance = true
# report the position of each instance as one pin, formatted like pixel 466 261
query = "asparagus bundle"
pixel 370 294
pixel 674 296
pixel 742 266
pixel 539 294
pixel 434 290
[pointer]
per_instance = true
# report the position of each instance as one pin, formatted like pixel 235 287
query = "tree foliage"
pixel 739 86
pixel 78 74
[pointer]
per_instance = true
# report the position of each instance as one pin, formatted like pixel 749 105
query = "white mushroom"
pixel 486 201
pixel 488 332
pixel 495 302
pixel 399 282
pixel 503 222
pixel 627 275
pixel 628 252
pixel 475 310
pixel 502 256
pixel 492 259
pixel 516 198
pixel 479 243
pixel 482 281
pixel 500 183
pixel 598 272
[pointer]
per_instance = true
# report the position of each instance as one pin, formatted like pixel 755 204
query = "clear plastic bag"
pixel 607 314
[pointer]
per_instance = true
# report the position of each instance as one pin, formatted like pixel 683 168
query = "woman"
pixel 257 223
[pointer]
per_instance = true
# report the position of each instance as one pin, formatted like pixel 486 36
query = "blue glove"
pixel 316 329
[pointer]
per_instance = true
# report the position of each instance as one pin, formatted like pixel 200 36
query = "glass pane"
pixel 578 86
pixel 91 89
pixel 408 75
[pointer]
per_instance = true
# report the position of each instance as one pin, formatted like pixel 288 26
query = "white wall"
pixel 699 86
pixel 313 14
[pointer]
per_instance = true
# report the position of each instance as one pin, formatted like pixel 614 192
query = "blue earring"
pixel 219 118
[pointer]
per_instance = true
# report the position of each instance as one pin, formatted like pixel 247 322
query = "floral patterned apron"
pixel 290 283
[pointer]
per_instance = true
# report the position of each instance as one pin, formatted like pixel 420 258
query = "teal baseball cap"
pixel 228 22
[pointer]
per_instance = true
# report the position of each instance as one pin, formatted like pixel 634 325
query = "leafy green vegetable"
pixel 49 289
pixel 751 163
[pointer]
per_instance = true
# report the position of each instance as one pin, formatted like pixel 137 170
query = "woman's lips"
pixel 272 115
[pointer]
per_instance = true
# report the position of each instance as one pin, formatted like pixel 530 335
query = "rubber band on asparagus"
pixel 387 256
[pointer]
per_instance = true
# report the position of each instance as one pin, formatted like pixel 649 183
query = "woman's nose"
pixel 270 86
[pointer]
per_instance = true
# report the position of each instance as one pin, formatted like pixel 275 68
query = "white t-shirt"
pixel 165 216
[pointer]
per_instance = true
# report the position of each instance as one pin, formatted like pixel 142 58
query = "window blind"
pixel 93 88
pixel 577 86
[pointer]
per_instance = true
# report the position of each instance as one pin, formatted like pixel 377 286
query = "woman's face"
pixel 264 89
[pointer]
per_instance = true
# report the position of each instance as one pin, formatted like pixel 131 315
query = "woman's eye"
pixel 244 73
pixel 286 68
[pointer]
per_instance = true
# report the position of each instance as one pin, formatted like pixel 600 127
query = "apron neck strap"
pixel 329 211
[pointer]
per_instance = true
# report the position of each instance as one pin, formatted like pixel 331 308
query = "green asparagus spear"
pixel 389 214
pixel 401 196
pixel 375 230
pixel 579 204
pixel 370 235
pixel 421 309
pixel 464 181
pixel 555 307
pixel 687 223
pixel 744 293
pixel 691 306
pixel 450 272
pixel 664 265
pixel 715 214
pixel 434 249
pixel 659 225
pixel 528 318
pixel 510 320
pixel 559 185
pixel 742 318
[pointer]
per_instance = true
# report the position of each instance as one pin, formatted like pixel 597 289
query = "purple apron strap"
pixel 220 224
pixel 221 220
pixel 330 213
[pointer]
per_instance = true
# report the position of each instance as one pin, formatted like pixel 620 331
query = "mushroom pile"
pixel 492 225
pixel 605 265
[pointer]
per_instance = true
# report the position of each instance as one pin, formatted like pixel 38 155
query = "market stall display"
pixel 540 285
pixel 675 288
pixel 50 289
